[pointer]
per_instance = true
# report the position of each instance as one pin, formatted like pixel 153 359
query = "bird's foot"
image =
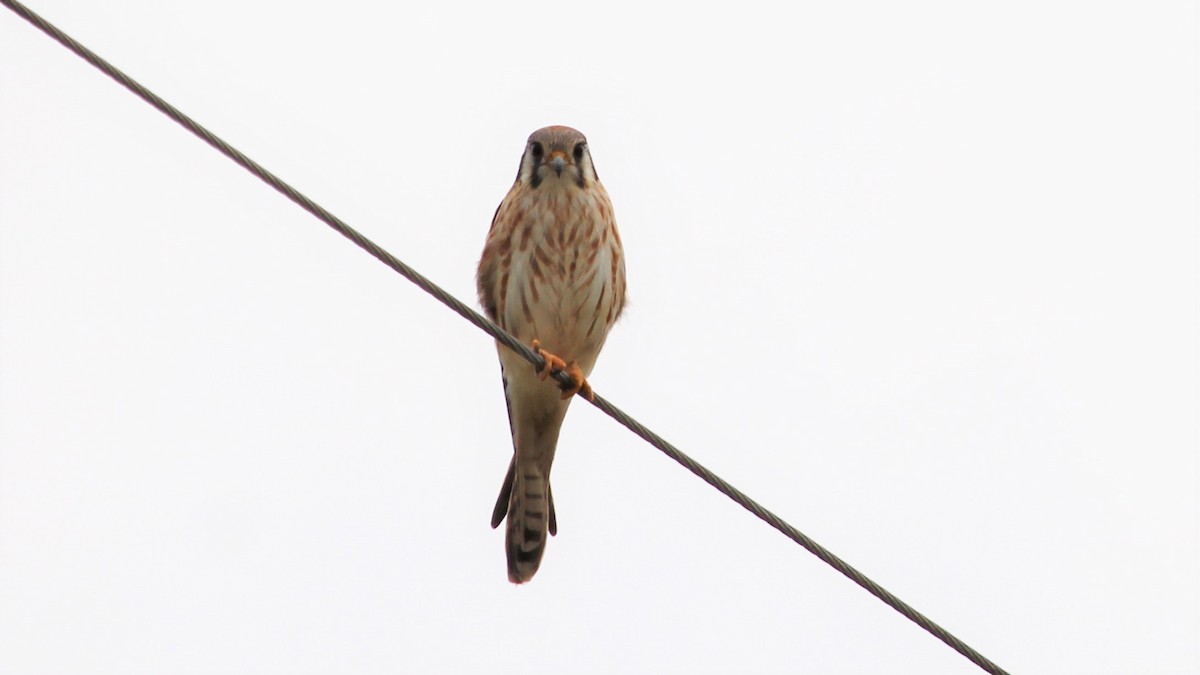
pixel 553 363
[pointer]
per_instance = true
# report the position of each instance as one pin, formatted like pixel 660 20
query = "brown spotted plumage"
pixel 552 274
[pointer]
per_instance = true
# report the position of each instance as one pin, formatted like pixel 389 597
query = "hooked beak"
pixel 558 161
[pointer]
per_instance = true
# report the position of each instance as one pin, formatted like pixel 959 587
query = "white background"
pixel 921 279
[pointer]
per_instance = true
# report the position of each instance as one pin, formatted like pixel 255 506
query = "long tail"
pixel 526 500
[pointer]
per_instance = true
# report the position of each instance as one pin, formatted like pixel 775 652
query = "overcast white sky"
pixel 921 279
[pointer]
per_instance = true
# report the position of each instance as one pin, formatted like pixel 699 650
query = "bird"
pixel 552 274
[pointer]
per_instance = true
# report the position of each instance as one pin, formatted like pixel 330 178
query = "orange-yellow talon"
pixel 553 362
pixel 579 383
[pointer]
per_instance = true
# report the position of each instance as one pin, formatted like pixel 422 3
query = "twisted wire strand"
pixel 504 337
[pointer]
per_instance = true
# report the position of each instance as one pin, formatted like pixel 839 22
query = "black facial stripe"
pixel 535 163
pixel 535 179
pixel 581 158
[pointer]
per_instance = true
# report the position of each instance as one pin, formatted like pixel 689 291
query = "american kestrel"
pixel 552 274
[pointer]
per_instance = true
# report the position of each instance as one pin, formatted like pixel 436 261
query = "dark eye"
pixel 537 150
pixel 579 152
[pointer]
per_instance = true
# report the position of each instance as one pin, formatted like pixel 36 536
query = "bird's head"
pixel 557 157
